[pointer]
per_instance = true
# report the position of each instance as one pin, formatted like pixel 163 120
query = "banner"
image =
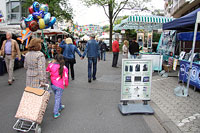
pixel 136 79
pixel 195 73
pixel 167 43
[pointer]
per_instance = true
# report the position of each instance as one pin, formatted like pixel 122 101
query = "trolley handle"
pixel 45 87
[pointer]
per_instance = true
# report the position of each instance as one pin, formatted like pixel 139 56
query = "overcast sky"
pixel 96 15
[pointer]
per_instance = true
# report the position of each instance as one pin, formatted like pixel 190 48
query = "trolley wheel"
pixel 38 129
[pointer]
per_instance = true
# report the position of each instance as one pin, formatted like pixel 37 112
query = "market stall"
pixel 185 57
pixel 148 24
pixel 187 23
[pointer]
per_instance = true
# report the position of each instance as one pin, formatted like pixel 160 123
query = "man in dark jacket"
pixel 134 48
pixel 92 51
pixel 103 47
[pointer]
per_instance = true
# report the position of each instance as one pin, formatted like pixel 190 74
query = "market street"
pixel 90 107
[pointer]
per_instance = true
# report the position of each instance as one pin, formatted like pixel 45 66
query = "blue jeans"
pixel 92 61
pixel 103 55
pixel 133 56
pixel 58 95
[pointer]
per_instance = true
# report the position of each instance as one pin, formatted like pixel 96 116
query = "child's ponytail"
pixel 60 59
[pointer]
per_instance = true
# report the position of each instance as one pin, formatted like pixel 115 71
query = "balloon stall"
pixel 38 19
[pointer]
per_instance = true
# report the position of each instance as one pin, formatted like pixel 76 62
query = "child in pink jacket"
pixel 59 81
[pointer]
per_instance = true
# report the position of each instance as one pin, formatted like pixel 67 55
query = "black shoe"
pixel 72 78
pixel 89 80
pixel 94 78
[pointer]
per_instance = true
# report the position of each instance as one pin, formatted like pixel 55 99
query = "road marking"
pixel 188 119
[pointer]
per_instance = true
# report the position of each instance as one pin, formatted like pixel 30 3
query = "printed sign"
pixel 175 63
pixel 136 79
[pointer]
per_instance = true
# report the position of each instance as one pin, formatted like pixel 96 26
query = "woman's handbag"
pixel 73 60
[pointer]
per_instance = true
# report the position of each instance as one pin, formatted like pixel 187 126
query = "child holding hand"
pixel 59 81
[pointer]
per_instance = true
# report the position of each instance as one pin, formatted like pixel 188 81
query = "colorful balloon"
pixel 44 8
pixel 33 26
pixel 36 6
pixel 47 18
pixel 52 21
pixel 29 18
pixel 41 23
pixel 38 15
pixel 30 9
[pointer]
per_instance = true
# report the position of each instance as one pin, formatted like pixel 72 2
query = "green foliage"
pixel 156 37
pixel 106 28
pixel 118 21
pixel 58 8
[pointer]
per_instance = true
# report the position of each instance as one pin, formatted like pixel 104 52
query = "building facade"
pixel 179 8
pixel 13 11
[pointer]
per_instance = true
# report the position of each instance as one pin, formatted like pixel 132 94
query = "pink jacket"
pixel 56 79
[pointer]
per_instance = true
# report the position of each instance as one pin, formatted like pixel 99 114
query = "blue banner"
pixel 195 73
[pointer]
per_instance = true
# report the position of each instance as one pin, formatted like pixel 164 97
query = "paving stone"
pixel 178 109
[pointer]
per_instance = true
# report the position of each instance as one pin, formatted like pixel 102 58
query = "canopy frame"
pixel 193 47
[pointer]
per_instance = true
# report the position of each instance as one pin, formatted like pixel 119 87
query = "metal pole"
pixel 193 47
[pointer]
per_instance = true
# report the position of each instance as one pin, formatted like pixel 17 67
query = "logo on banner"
pixel 194 74
pixel 182 70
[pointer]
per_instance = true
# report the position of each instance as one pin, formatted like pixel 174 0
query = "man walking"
pixel 92 51
pixel 9 50
pixel 134 49
pixel 115 49
pixel 102 46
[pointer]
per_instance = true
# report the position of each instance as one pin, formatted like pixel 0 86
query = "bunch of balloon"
pixel 39 18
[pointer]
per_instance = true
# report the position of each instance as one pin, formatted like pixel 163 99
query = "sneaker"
pixel 61 108
pixel 89 80
pixel 56 115
pixel 9 82
pixel 94 78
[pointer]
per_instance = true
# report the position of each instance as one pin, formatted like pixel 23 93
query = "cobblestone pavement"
pixel 183 111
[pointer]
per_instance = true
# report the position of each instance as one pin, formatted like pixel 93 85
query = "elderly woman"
pixel 35 64
pixel 125 49
pixel 69 54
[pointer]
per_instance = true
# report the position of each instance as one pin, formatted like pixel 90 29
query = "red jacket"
pixel 115 46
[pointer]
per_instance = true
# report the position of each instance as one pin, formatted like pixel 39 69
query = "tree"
pixel 112 8
pixel 158 12
pixel 58 8
pixel 119 20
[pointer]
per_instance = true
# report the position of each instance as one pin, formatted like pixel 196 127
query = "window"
pixel 15 6
pixel 15 10
pixel 7 7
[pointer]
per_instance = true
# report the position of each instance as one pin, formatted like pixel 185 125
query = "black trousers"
pixel 115 59
pixel 71 66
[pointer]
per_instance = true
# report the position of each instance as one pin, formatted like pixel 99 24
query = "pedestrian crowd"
pixel 64 59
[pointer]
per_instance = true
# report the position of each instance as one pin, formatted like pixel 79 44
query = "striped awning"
pixel 143 22
pixel 149 19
